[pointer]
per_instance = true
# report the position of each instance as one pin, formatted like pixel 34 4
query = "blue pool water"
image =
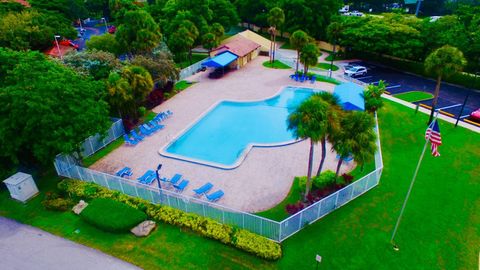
pixel 224 135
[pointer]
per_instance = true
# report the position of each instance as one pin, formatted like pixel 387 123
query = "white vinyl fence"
pixel 67 166
pixel 190 70
pixel 94 143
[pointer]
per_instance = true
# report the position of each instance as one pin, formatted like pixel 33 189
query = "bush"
pixel 142 111
pixel 54 202
pixel 201 225
pixel 325 179
pixel 257 245
pixel 112 216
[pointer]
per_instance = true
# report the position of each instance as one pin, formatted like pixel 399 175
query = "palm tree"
pixel 276 17
pixel 306 122
pixel 299 39
pixel 330 124
pixel 333 33
pixel 373 96
pixel 356 138
pixel 141 84
pixel 309 56
pixel 443 62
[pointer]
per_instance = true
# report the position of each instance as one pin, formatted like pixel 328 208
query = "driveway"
pixel 24 247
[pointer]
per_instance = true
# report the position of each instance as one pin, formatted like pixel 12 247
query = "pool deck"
pixel 263 179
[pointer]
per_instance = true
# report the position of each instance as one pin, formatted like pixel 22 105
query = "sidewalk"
pixel 24 247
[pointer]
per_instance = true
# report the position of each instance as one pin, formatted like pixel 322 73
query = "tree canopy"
pixel 40 111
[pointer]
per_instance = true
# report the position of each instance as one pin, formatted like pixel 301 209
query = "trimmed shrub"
pixel 112 216
pixel 257 245
pixel 324 180
pixel 54 202
pixel 201 225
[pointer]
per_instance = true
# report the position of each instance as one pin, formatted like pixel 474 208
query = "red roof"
pixel 21 2
pixel 53 51
pixel 239 46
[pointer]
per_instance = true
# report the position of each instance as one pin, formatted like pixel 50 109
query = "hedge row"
pixel 112 216
pixel 239 238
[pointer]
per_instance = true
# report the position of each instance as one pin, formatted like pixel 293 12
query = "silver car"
pixel 353 71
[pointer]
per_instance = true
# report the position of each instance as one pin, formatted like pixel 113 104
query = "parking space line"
pixel 464 116
pixel 452 106
pixel 393 86
pixel 366 77
pixel 375 82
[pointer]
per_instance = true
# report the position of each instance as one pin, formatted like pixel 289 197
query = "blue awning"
pixel 220 60
pixel 351 96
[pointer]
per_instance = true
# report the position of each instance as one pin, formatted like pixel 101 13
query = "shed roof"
pixel 17 178
pixel 239 46
pixel 351 96
pixel 220 60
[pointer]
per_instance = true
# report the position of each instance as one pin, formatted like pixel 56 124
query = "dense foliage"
pixel 207 227
pixel 46 108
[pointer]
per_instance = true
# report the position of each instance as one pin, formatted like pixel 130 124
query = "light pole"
pixel 58 46
pixel 106 26
pixel 158 181
pixel 333 56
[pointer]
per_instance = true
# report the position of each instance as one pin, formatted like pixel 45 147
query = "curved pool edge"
pixel 245 152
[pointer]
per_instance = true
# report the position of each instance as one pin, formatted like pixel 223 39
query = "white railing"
pixel 190 70
pixel 96 142
pixel 67 166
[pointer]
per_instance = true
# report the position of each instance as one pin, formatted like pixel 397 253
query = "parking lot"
pixel 451 97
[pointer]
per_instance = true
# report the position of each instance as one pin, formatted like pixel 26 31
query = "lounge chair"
pixel 215 196
pixel 129 140
pixel 313 79
pixel 181 187
pixel 203 189
pixel 144 131
pixel 175 179
pixel 169 113
pixel 155 125
pixel 126 171
pixel 148 174
pixel 149 128
pixel 150 179
pixel 135 135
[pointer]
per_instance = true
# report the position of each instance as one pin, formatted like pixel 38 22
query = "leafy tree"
pixel 161 67
pixel 373 96
pixel 306 122
pixel 128 89
pixel 140 33
pixel 209 41
pixel 330 124
pixel 356 137
pixel 98 7
pixel 309 56
pixel 443 62
pixel 70 9
pixel 119 9
pixel 46 108
pixel 30 29
pixel 106 42
pixel 298 40
pixel 275 19
pixel 225 13
pixel 183 40
pixel 333 35
pixel 253 11
pixel 97 64
pixel 218 30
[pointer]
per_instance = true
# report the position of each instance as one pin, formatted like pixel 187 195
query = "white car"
pixel 353 71
pixel 356 13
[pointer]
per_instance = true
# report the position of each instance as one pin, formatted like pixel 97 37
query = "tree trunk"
pixel 298 60
pixel 333 58
pixel 190 55
pixel 435 99
pixel 339 164
pixel 309 173
pixel 324 155
pixel 305 69
pixel 271 50
pixel 274 45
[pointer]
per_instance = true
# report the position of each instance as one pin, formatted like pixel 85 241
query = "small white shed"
pixel 21 186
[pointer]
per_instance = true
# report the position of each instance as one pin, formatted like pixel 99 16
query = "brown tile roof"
pixel 239 46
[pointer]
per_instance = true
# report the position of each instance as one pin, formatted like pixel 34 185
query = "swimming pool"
pixel 226 133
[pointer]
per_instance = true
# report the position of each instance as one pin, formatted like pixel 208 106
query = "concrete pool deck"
pixel 265 176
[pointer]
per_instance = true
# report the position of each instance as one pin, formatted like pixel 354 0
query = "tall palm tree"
pixel 276 17
pixel 331 124
pixel 443 62
pixel 309 56
pixel 356 137
pixel 299 39
pixel 306 122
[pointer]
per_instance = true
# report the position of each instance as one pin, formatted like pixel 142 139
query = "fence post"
pixel 300 221
pixel 366 183
pixel 91 146
pixel 319 208
pixel 223 216
pixel 280 231
pixel 243 220
pixel 261 226
pixel 336 200
pixel 121 186
pixel 351 192
pixel 203 208
pixel 79 174
pixel 151 196
pixel 106 181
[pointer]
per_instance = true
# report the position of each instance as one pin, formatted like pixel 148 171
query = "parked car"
pixel 353 71
pixel 475 116
pixel 356 13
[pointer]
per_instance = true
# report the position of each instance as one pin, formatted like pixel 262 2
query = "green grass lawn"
pixel 439 228
pixel 321 78
pixel 326 66
pixel 276 65
pixel 89 161
pixel 337 57
pixel 414 96
pixel 182 85
pixel 195 58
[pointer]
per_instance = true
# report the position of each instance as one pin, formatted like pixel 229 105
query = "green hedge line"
pixel 112 216
pixel 239 238
pixel 462 79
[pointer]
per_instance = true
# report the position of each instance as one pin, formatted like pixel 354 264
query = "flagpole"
pixel 395 247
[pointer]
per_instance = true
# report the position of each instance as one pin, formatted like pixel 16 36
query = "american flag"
pixel 433 135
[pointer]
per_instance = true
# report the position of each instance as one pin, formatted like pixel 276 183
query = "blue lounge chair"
pixel 169 113
pixel 144 131
pixel 135 135
pixel 215 196
pixel 181 187
pixel 149 180
pixel 126 171
pixel 129 140
pixel 175 179
pixel 146 176
pixel 313 79
pixel 203 189
pixel 155 125
pixel 149 128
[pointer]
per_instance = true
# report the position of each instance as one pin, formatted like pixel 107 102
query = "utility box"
pixel 21 186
